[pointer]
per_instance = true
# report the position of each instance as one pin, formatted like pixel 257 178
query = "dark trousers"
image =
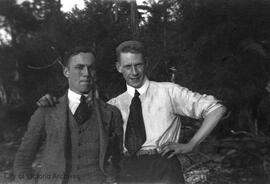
pixel 151 169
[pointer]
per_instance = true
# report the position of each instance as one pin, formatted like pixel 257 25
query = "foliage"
pixel 218 47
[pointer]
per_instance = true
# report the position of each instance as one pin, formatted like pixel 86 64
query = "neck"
pixel 80 93
pixel 144 80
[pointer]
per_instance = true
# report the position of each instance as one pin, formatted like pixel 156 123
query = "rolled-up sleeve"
pixel 192 104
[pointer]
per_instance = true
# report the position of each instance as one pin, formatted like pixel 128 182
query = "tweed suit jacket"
pixel 48 127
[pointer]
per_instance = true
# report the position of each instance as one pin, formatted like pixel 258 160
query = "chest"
pixel 155 106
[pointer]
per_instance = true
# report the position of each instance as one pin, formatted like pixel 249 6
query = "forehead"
pixel 85 58
pixel 127 58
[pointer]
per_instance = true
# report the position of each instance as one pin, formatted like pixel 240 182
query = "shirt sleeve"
pixel 192 104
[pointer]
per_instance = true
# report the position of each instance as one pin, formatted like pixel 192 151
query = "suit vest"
pixel 84 151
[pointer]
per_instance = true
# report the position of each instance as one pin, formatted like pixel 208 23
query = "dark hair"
pixel 76 50
pixel 131 46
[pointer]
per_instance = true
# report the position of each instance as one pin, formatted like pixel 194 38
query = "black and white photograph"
pixel 134 91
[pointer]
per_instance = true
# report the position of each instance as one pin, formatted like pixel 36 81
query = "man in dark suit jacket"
pixel 82 136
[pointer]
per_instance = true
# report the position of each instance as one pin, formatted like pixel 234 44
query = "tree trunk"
pixel 3 96
pixel 134 19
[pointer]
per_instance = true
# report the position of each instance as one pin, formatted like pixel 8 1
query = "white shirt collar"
pixel 74 100
pixel 74 97
pixel 141 90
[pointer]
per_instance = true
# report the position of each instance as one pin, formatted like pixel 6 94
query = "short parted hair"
pixel 131 46
pixel 76 50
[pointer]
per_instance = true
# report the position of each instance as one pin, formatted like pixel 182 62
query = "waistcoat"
pixel 84 151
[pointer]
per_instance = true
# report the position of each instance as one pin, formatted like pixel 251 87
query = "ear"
pixel 66 72
pixel 118 66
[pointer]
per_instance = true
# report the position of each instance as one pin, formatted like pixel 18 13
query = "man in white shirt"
pixel 151 111
pixel 161 104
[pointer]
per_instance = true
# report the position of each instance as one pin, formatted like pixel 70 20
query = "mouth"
pixel 135 79
pixel 85 82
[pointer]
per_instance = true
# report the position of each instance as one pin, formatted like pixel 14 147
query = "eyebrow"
pixel 133 64
pixel 79 64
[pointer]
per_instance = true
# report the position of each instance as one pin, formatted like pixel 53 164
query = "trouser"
pixel 151 169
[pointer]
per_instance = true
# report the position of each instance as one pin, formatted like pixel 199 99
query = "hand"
pixel 175 148
pixel 47 101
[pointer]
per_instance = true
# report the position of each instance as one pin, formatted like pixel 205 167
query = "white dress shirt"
pixel 161 103
pixel 74 100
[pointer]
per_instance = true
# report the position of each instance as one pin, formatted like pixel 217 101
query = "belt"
pixel 143 152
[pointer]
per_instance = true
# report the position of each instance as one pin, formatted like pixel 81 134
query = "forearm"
pixel 209 123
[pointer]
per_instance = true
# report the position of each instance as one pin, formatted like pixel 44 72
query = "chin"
pixel 136 85
pixel 85 91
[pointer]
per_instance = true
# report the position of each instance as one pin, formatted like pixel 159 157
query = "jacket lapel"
pixel 59 119
pixel 59 115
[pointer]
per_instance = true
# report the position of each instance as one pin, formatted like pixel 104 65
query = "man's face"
pixel 132 66
pixel 80 72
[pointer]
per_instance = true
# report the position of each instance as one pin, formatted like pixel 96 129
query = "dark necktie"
pixel 82 113
pixel 135 131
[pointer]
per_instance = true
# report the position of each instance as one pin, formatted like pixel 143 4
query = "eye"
pixel 127 67
pixel 140 65
pixel 79 67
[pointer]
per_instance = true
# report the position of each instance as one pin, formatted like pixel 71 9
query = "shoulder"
pixel 116 100
pixel 108 107
pixel 39 112
pixel 167 86
pixel 162 84
pixel 57 109
pixel 110 113
pixel 61 104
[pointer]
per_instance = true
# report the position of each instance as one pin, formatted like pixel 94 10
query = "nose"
pixel 134 70
pixel 85 71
